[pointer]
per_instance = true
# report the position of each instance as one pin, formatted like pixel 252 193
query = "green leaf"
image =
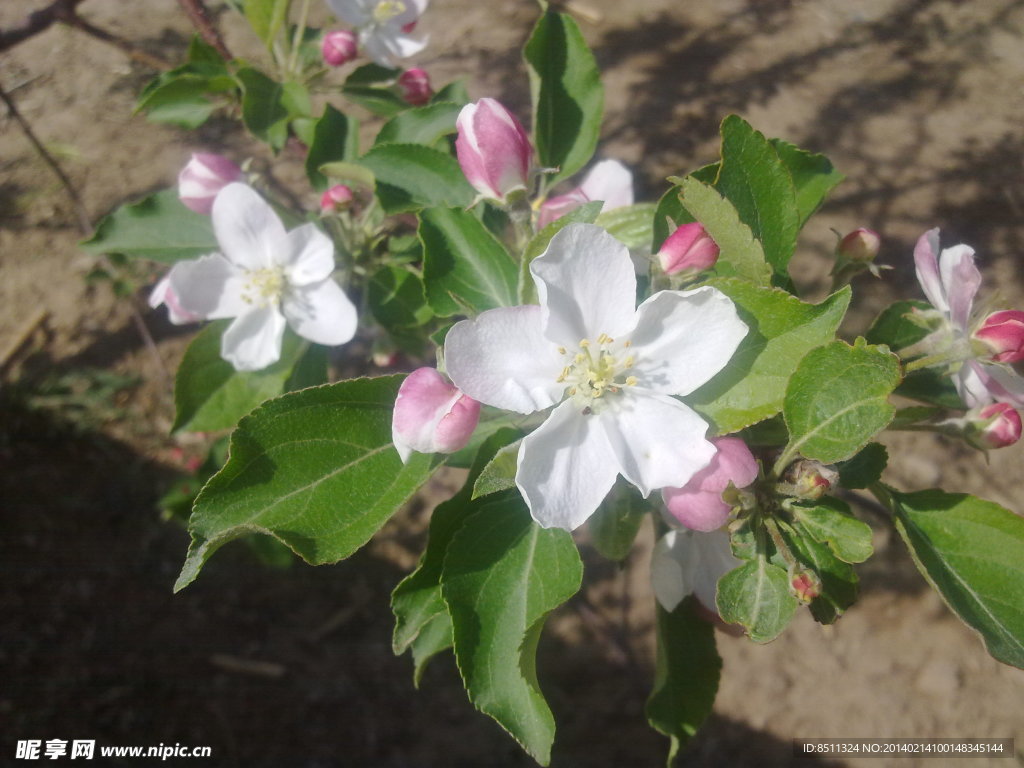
pixel 383 102
pixel 740 255
pixel 397 300
pixel 416 601
pixel 421 125
pixel 782 330
pixel 263 111
pixel 159 227
pixel 465 268
pixel 371 74
pixel 315 469
pixel 686 675
pixel 754 180
pixel 633 225
pixel 864 469
pixel 209 394
pixel 614 526
pixel 894 329
pixel 435 637
pixel 502 575
pixel 566 92
pixel 972 553
pixel 500 472
pixel 179 101
pixel 266 17
pixel 352 174
pixel 838 579
pixel 813 176
pixel 335 139
pixel 454 93
pixel 830 521
pixel 838 399
pixel 756 595
pixel 411 176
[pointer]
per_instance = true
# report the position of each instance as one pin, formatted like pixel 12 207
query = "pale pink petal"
pixel 309 257
pixel 501 358
pixel 253 340
pixel 716 560
pixel 673 566
pixel 431 415
pixel 698 505
pixel 357 13
pixel 162 293
pixel 657 441
pixel 250 234
pixel 683 338
pixel 926 261
pixel 493 149
pixel 961 280
pixel 611 182
pixel 387 45
pixel 555 208
pixel 209 287
pixel 321 313
pixel 697 509
pixel 566 468
pixel 586 284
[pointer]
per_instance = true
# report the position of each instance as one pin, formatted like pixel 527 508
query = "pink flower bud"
pixel 556 207
pixel 1003 333
pixel 432 415
pixel 996 426
pixel 805 584
pixel 203 177
pixel 860 246
pixel 415 86
pixel 493 149
pixel 339 47
pixel 689 249
pixel 807 479
pixel 336 198
pixel 699 505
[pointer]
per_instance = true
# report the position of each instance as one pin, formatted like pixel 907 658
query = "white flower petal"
pixel 673 566
pixel 357 13
pixel 310 255
pixel 565 469
pixel 210 287
pixel 611 182
pixel 586 284
pixel 926 262
pixel 250 234
pixel 501 358
pixel 658 442
pixel 388 45
pixel 253 341
pixel 715 559
pixel 321 313
pixel 683 338
pixel 961 281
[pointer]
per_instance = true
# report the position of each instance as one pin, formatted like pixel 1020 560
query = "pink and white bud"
pixel 203 177
pixel 163 293
pixel 432 415
pixel 339 47
pixel 336 198
pixel 1003 333
pixel 805 585
pixel 493 149
pixel 688 250
pixel 699 504
pixel 808 479
pixel 860 246
pixel 996 426
pixel 415 86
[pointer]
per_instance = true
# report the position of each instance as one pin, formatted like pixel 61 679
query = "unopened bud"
pixel 688 250
pixel 806 479
pixel 1003 333
pixel 804 584
pixel 493 149
pixel 995 426
pixel 339 47
pixel 336 198
pixel 699 505
pixel 860 246
pixel 415 86
pixel 432 415
pixel 203 177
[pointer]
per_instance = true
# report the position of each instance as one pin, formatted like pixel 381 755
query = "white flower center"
pixel 263 286
pixel 597 369
pixel 387 10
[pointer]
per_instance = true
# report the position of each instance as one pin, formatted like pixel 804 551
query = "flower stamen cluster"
pixel 597 368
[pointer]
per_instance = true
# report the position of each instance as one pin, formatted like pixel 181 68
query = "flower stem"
pixel 926 362
pixel 300 32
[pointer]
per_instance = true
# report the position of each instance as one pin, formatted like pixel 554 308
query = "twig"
pixel 38 21
pixel 84 222
pixel 200 18
pixel 248 666
pixel 143 57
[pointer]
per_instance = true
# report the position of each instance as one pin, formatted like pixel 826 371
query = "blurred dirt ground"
pixel 919 102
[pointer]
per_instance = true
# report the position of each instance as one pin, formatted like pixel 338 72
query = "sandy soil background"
pixel 919 102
